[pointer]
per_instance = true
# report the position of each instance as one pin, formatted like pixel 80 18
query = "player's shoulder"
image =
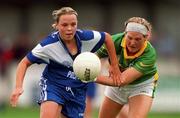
pixel 50 39
pixel 149 53
pixel 150 49
pixel 118 37
pixel 88 34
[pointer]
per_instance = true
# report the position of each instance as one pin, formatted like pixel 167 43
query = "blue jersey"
pixel 55 54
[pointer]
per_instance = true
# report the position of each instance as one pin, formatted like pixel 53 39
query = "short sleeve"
pixel 39 55
pixel 146 63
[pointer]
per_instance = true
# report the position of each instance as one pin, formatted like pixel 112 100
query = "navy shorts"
pixel 91 90
pixel 71 99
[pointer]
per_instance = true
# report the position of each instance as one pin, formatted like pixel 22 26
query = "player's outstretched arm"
pixel 105 80
pixel 126 77
pixel 18 90
pixel 113 59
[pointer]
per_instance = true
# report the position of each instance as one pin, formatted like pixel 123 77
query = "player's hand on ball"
pixel 15 96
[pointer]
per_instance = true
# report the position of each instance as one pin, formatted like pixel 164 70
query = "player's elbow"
pixel 107 37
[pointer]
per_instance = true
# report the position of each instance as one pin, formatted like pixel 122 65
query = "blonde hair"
pixel 58 13
pixel 140 21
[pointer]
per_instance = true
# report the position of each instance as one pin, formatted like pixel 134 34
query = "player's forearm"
pixel 111 50
pixel 21 70
pixel 129 75
pixel 104 80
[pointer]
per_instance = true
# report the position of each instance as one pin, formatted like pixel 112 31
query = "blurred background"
pixel 23 23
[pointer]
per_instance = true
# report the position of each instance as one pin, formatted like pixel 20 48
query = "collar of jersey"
pixel 123 44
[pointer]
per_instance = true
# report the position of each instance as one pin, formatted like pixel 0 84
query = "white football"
pixel 87 66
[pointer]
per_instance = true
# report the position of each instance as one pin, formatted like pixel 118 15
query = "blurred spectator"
pixel 5 53
pixel 21 46
pixel 12 52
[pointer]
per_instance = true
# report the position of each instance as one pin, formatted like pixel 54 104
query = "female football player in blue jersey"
pixel 62 93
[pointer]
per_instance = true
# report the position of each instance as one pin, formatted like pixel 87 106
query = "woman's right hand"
pixel 15 96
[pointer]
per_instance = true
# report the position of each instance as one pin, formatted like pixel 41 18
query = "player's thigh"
pixel 50 109
pixel 109 108
pixel 124 112
pixel 139 106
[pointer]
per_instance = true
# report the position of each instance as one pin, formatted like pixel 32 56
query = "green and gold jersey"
pixel 144 61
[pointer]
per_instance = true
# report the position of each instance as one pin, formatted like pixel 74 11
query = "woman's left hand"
pixel 115 73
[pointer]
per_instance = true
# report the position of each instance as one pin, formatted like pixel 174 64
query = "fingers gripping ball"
pixel 87 66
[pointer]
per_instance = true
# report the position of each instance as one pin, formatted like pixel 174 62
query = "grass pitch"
pixel 33 112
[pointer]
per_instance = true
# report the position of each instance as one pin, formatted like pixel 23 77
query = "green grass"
pixel 151 115
pixel 33 112
pixel 164 115
pixel 29 112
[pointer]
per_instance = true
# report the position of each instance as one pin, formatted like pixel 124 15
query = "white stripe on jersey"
pixel 40 52
pixel 54 51
pixel 89 45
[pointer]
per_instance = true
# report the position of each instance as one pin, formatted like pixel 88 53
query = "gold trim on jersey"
pixel 156 77
pixel 145 65
pixel 123 44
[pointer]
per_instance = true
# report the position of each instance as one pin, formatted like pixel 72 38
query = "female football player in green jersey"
pixel 137 62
